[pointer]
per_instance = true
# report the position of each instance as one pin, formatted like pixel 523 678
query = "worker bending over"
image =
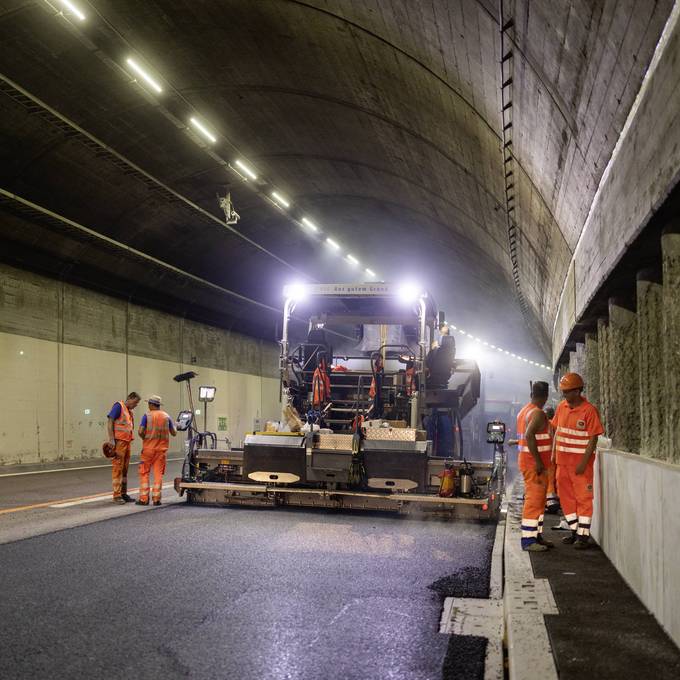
pixel 155 429
pixel 535 449
pixel 577 427
pixel 121 427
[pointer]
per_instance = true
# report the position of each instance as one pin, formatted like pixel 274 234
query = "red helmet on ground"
pixel 571 381
pixel 108 449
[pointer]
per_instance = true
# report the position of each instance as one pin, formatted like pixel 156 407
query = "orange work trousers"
pixel 535 491
pixel 552 498
pixel 155 461
pixel 576 492
pixel 119 468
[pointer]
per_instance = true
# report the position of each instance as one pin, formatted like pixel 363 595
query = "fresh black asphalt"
pixel 241 593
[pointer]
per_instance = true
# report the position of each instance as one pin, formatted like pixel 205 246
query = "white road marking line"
pixel 103 497
pixel 71 469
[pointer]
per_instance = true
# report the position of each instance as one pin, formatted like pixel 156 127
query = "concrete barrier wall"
pixel 67 353
pixel 637 524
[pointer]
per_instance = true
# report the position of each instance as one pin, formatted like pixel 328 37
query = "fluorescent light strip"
pixel 240 164
pixel 203 130
pixel 73 9
pixel 280 199
pixel 144 75
pixel 332 244
pixel 370 272
pixel 310 224
pixel 352 260
pixel 499 349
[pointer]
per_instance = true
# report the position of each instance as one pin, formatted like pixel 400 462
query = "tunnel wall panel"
pixel 634 520
pixel 66 354
pixel 643 170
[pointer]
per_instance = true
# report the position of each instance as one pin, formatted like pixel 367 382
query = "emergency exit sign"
pixel 221 423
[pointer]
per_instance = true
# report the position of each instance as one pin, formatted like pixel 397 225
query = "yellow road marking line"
pixel 67 502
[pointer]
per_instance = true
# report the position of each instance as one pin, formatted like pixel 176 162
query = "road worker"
pixel 155 428
pixel 121 427
pixel 577 427
pixel 552 501
pixel 535 449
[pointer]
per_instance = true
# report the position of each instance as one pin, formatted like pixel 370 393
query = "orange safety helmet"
pixel 571 381
pixel 108 450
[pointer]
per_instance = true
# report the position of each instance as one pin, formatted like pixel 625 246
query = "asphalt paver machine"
pixel 363 403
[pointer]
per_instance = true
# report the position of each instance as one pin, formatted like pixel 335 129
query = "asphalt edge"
pixel 482 617
pixel 526 600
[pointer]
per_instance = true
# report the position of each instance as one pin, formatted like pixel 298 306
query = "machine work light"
pixel 206 393
pixel 409 292
pixel 295 291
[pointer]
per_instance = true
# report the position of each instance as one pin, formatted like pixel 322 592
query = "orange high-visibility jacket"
pixel 574 428
pixel 321 387
pixel 157 434
pixel 543 439
pixel 123 426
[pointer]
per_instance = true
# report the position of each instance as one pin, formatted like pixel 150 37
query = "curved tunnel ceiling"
pixel 380 120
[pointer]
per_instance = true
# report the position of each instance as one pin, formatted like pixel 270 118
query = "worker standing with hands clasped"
pixel 535 449
pixel 577 427
pixel 121 426
pixel 155 428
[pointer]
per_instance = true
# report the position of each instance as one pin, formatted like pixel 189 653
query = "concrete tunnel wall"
pixel 65 350
pixel 643 169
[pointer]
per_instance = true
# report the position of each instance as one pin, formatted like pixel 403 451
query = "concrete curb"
pixel 526 601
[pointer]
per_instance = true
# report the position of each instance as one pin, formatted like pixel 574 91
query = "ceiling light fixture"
pixel 310 224
pixel 203 130
pixel 352 260
pixel 245 169
pixel 280 199
pixel 370 272
pixel 332 244
pixel 144 75
pixel 73 9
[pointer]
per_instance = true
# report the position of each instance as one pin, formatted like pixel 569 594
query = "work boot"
pixel 119 500
pixel 156 502
pixel 127 499
pixel 542 541
pixel 140 502
pixel 553 509
pixel 582 543
pixel 569 540
pixel 536 547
